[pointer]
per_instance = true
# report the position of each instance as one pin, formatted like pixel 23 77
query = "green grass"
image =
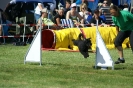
pixel 61 70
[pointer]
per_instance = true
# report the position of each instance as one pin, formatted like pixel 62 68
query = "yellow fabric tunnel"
pixel 63 38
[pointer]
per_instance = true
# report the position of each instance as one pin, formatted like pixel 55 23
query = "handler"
pixel 124 22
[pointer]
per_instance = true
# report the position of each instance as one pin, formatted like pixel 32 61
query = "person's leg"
pixel 131 40
pixel 37 16
pixel 118 44
pixel 120 51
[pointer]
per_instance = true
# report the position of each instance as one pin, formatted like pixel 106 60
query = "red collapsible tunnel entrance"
pixel 48 39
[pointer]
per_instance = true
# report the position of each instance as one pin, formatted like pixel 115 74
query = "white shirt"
pixel 52 5
pixel 126 9
pixel 13 2
pixel 84 15
pixel 37 9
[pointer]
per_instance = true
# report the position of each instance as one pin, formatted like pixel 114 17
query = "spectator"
pixel 45 20
pixel 59 16
pixel 83 9
pixel 84 1
pixel 67 7
pixel 104 10
pixel 123 20
pixel 74 15
pixel 96 17
pixel 13 10
pixel 38 9
pixel 109 3
pixel 84 13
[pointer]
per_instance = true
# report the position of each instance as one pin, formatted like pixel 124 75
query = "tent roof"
pixel 48 1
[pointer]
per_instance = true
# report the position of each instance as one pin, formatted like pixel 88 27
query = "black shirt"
pixel 100 21
pixel 66 10
pixel 58 16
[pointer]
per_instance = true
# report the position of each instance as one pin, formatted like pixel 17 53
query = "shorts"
pixel 121 36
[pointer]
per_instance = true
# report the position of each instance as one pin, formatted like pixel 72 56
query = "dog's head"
pixel 88 43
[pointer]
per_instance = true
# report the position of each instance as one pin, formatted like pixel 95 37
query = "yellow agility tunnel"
pixel 62 39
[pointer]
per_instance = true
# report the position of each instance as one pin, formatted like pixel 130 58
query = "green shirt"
pixel 124 21
pixel 47 21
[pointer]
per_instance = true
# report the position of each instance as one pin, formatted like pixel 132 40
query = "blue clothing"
pixel 5 28
pixel 103 17
pixel 37 16
pixel 78 2
pixel 89 18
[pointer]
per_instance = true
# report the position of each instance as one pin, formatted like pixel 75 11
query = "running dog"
pixel 83 45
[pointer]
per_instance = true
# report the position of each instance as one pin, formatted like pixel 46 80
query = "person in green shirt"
pixel 45 20
pixel 124 25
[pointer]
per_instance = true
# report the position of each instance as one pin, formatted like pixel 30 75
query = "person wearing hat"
pixel 74 15
pixel 45 20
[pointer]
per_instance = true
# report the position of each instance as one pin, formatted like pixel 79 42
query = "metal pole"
pixel 40 42
pixel 24 27
pixel 2 27
pixel 96 45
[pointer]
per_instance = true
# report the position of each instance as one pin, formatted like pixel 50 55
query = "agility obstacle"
pixel 103 58
pixel 34 53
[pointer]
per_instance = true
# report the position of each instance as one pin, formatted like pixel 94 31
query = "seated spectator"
pixel 104 10
pixel 96 17
pixel 84 13
pixel 75 16
pixel 68 7
pixel 46 22
pixel 109 3
pixel 59 16
pixel 13 10
pixel 78 2
pixel 3 20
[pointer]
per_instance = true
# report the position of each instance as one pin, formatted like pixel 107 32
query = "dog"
pixel 83 44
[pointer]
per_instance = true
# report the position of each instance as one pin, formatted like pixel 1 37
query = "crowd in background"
pixel 51 14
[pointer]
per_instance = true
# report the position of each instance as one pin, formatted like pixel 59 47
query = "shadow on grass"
pixel 65 65
pixel 110 68
pixel 117 67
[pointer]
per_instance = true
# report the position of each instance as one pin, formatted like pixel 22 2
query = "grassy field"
pixel 61 70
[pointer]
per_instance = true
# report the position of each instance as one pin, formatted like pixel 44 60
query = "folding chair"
pixel 67 23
